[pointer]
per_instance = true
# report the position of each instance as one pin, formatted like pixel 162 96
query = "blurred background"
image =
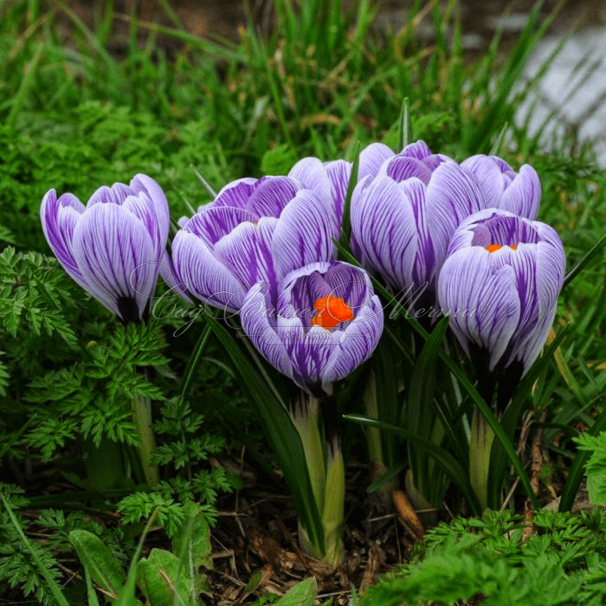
pixel 572 93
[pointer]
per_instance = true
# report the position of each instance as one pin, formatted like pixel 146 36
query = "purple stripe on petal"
pixel 171 278
pixel 143 208
pixel 452 195
pixel 204 275
pixel 350 283
pixel 312 174
pixel 259 324
pixel 303 235
pixel 418 149
pixel 59 218
pixel 116 194
pixel 488 174
pixel 383 224
pixel 523 196
pixel 401 168
pixel 372 158
pixel 116 256
pixel 425 263
pixel 149 190
pixel 212 222
pixel 270 198
pixel 292 279
pixel 236 193
pixel 246 252
pixel 339 173
pixel 356 343
pixel 309 356
pixel 484 304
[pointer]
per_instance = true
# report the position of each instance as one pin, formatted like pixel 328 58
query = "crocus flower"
pixel 256 230
pixel 519 193
pixel 329 180
pixel 500 283
pixel 113 247
pixel 327 321
pixel 403 219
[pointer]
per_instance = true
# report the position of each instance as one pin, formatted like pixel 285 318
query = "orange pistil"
pixel 494 247
pixel 331 311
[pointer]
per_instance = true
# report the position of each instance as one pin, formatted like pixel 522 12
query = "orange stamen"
pixel 331 311
pixel 494 247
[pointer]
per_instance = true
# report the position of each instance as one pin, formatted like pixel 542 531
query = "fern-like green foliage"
pixel 490 560
pixel 33 293
pixel 17 568
pixel 93 397
pixel 596 466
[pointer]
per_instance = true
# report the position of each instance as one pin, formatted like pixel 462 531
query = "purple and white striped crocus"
pixel 329 180
pixel 403 219
pixel 256 230
pixel 519 193
pixel 115 246
pixel 500 283
pixel 327 321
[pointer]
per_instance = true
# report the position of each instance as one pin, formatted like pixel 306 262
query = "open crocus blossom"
pixel 500 283
pixel 327 321
pixel 403 219
pixel 329 180
pixel 519 193
pixel 256 230
pixel 113 247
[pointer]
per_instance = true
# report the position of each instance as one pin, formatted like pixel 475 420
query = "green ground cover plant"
pixel 325 83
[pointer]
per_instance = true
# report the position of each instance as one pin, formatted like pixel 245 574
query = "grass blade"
pixel 51 583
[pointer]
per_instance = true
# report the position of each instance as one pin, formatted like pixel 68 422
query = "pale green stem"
pixel 143 421
pixel 480 445
pixel 375 445
pixel 437 434
pixel 305 418
pixel 375 448
pixel 332 513
pixel 334 505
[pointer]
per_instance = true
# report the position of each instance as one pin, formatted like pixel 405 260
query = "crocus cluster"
pixel 444 238
pixel 440 236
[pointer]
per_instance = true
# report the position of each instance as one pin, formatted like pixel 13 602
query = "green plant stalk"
pixel 480 445
pixel 375 445
pixel 304 414
pixel 334 504
pixel 143 421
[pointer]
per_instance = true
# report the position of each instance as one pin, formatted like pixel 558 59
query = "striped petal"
pixel 303 234
pixel 260 326
pixel 523 196
pixel 372 158
pixel 116 257
pixel 483 304
pixel 356 343
pixel 246 252
pixel 271 197
pixel 452 195
pixel 59 218
pixel 383 225
pixel 205 276
pixel 236 193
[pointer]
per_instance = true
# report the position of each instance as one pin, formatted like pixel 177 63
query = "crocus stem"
pixel 480 445
pixel 304 414
pixel 334 503
pixel 375 445
pixel 143 421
